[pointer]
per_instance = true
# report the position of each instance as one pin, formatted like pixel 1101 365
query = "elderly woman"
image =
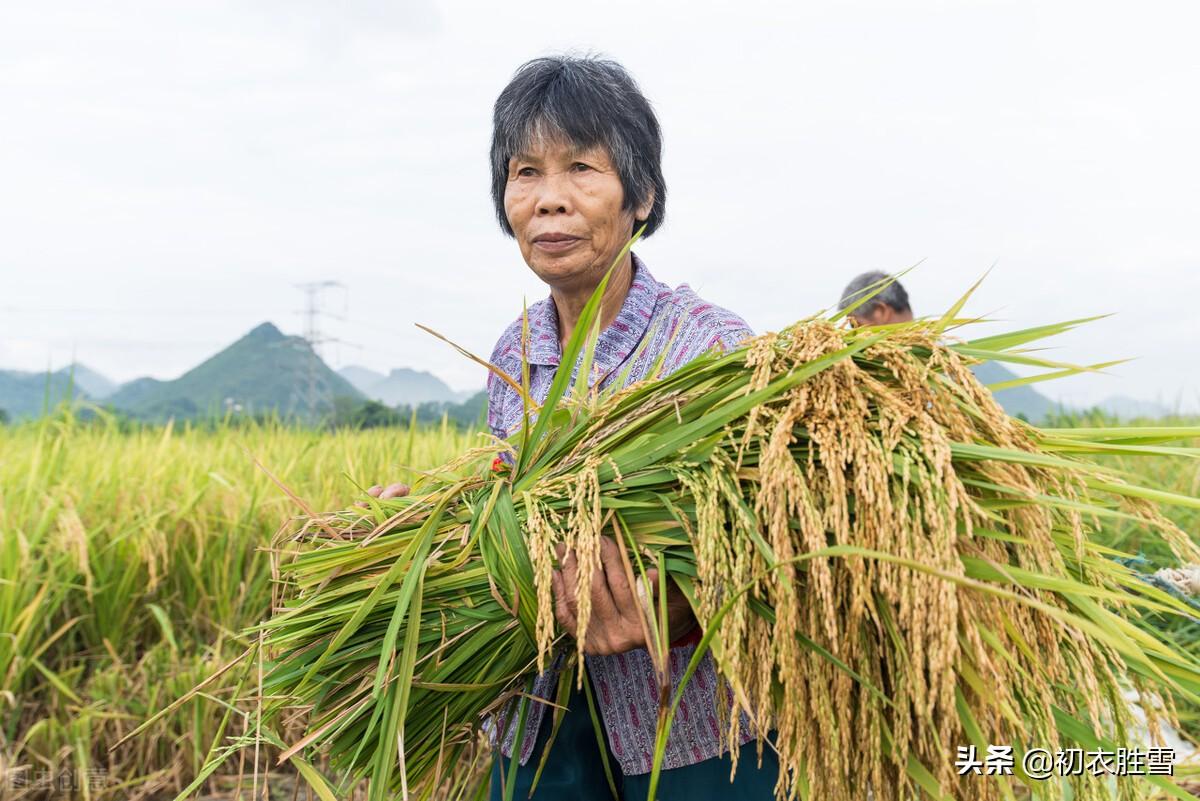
pixel 576 167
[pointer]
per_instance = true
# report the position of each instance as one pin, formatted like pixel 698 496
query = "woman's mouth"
pixel 555 243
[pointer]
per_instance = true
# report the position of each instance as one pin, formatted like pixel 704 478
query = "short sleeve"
pixel 495 388
pixel 714 328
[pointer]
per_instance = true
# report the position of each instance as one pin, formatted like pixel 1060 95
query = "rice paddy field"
pixel 130 560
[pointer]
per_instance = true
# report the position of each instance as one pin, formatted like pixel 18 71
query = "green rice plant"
pixel 885 567
pixel 1179 474
pixel 131 559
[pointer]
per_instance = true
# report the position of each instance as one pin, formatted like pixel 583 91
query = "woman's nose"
pixel 554 198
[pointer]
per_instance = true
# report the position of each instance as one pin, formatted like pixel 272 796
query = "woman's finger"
pixel 614 574
pixel 606 607
pixel 396 490
pixel 568 565
pixel 373 492
pixel 562 606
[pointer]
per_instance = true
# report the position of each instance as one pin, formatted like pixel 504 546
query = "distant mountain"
pixel 403 386
pixel 1025 400
pixel 361 378
pixel 91 382
pixel 136 393
pixel 26 394
pixel 23 393
pixel 263 371
pixel 470 411
pixel 1127 408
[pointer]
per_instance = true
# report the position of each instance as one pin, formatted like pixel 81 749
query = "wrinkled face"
pixel 564 207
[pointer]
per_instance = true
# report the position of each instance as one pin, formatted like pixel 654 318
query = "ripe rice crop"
pixel 884 564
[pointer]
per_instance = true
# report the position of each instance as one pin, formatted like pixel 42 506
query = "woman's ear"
pixel 642 212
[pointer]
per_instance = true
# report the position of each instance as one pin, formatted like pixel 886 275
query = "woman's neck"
pixel 569 303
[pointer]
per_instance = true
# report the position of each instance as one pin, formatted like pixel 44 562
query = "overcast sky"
pixel 169 171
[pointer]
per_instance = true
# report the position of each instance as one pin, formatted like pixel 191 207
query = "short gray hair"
pixel 590 102
pixel 893 294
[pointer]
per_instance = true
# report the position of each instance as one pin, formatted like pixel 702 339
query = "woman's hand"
pixel 394 490
pixel 617 621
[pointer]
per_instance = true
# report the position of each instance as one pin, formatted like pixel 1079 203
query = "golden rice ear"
pixel 542 537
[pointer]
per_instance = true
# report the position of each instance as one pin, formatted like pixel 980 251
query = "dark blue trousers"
pixel 574 770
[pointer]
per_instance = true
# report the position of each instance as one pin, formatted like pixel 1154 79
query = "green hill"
pixel 87 379
pixel 1025 401
pixel 470 412
pixel 262 372
pixel 24 394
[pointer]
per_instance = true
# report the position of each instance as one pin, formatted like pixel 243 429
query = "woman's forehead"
pixel 555 145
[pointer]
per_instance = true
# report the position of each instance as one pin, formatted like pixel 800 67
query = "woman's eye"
pixel 579 166
pixel 526 172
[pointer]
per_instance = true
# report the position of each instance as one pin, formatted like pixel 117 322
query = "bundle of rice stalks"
pixel 884 564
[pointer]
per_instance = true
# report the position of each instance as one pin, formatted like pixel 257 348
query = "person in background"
pixel 888 305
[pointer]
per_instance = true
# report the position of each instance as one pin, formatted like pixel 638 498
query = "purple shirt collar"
pixel 616 342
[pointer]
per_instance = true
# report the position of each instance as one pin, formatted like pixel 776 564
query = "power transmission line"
pixel 313 335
